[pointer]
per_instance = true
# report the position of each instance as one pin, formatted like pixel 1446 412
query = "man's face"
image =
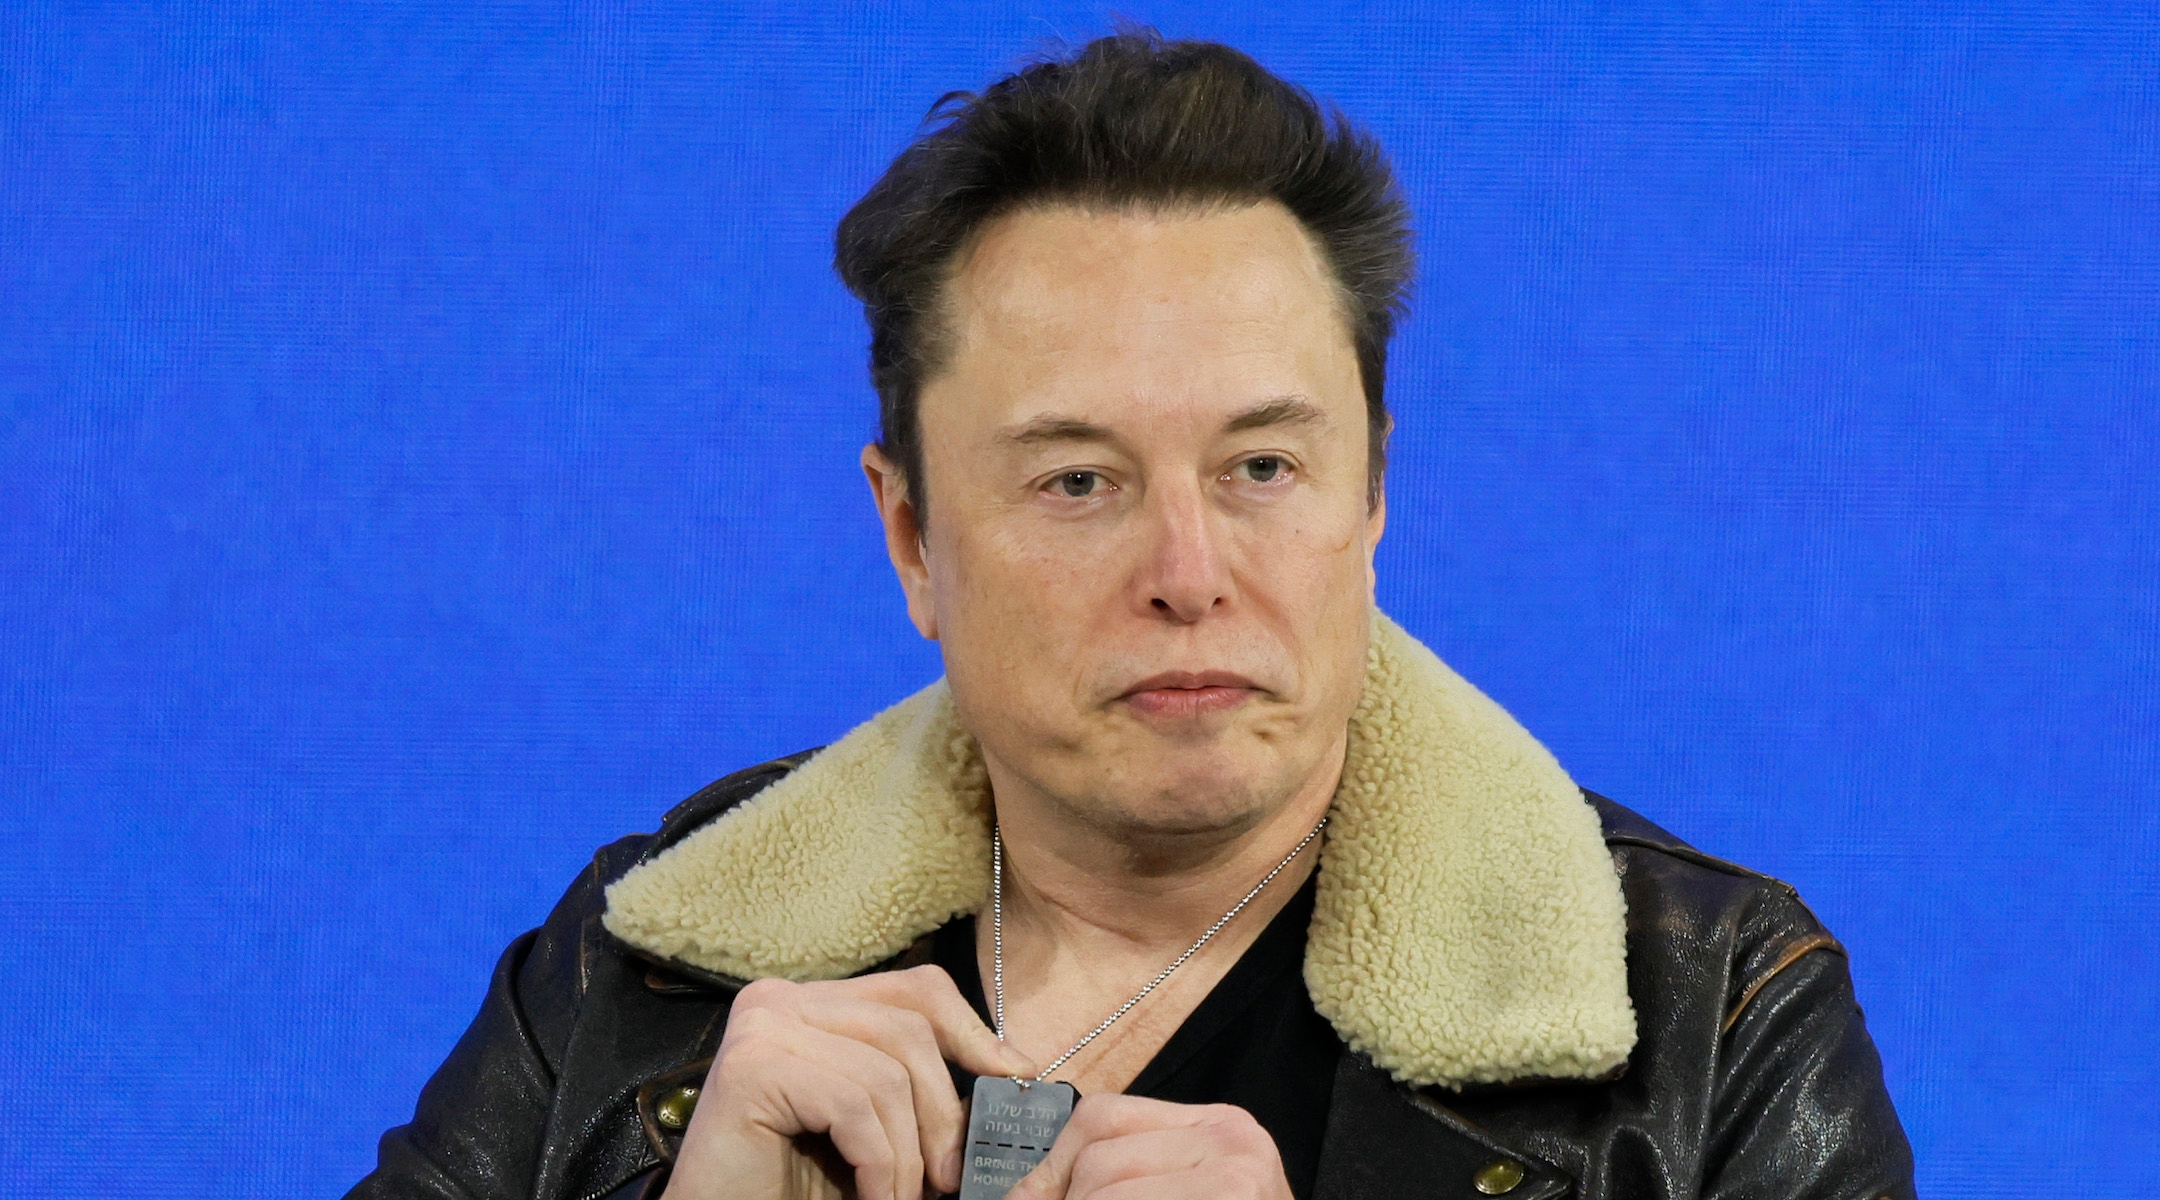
pixel 1149 552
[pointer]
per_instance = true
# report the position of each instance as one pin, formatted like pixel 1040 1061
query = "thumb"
pixel 962 1037
pixel 1052 1175
pixel 979 1050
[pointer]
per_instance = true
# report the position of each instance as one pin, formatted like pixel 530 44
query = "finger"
pixel 892 1088
pixel 1114 1160
pixel 1101 1118
pixel 1199 1183
pixel 906 1036
pixel 961 1035
pixel 874 1109
pixel 818 1098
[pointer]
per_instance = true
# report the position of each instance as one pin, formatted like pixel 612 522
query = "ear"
pixel 903 536
pixel 1376 519
pixel 1375 525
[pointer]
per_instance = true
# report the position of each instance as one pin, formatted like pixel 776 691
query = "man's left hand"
pixel 1132 1148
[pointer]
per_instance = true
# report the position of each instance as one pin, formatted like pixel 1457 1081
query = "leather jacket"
pixel 1751 1075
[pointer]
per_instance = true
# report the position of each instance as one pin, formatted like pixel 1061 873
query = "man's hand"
pixel 1132 1148
pixel 861 1061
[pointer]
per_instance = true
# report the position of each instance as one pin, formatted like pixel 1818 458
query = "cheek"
pixel 1309 566
pixel 1019 589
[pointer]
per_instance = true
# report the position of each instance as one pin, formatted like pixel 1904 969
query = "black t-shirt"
pixel 1255 1040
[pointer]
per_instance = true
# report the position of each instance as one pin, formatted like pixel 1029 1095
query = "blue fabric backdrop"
pixel 427 441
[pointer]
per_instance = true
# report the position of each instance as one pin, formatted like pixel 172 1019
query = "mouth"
pixel 1189 693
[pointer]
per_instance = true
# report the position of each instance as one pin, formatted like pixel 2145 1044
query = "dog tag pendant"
pixel 1010 1128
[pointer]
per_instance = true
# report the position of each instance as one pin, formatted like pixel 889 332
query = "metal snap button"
pixel 1498 1177
pixel 673 1110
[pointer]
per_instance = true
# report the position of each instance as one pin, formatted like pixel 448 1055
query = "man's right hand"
pixel 861 1061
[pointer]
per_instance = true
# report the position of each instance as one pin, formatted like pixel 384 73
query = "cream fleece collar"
pixel 1468 925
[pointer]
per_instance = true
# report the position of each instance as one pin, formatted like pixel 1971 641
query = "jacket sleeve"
pixel 1801 1109
pixel 478 1128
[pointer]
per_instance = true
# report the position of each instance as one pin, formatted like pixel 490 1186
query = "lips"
pixel 1189 693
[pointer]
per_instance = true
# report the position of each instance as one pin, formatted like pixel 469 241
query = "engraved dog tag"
pixel 1010 1129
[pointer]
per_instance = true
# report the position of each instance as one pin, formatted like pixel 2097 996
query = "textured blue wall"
pixel 427 442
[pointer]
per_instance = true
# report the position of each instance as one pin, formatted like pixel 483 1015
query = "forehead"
pixel 1061 297
pixel 1134 251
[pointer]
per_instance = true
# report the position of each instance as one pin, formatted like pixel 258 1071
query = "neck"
pixel 1101 887
pixel 1095 909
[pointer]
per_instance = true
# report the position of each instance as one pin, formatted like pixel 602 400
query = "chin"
pixel 1172 822
pixel 1192 795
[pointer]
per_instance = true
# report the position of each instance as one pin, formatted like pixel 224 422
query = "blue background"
pixel 427 439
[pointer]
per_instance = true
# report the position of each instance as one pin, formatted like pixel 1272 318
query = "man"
pixel 1296 910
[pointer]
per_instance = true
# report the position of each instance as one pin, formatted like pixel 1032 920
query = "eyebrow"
pixel 1283 410
pixel 1047 429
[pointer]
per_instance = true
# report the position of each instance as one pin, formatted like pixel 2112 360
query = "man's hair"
pixel 1128 121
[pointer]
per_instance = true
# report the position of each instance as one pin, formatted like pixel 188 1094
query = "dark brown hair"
pixel 1128 120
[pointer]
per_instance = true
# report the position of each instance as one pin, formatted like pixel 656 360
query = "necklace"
pixel 997 944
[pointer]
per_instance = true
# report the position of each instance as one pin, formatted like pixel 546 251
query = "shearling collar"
pixel 1468 925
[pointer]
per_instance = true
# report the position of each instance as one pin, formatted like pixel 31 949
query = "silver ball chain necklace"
pixel 1013 1121
pixel 997 943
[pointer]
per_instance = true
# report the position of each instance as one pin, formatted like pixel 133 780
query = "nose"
pixel 1185 575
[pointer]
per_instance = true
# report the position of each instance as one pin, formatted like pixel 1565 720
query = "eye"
pixel 1263 468
pixel 1076 485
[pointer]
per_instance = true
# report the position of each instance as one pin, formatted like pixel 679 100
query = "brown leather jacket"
pixel 1751 1074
